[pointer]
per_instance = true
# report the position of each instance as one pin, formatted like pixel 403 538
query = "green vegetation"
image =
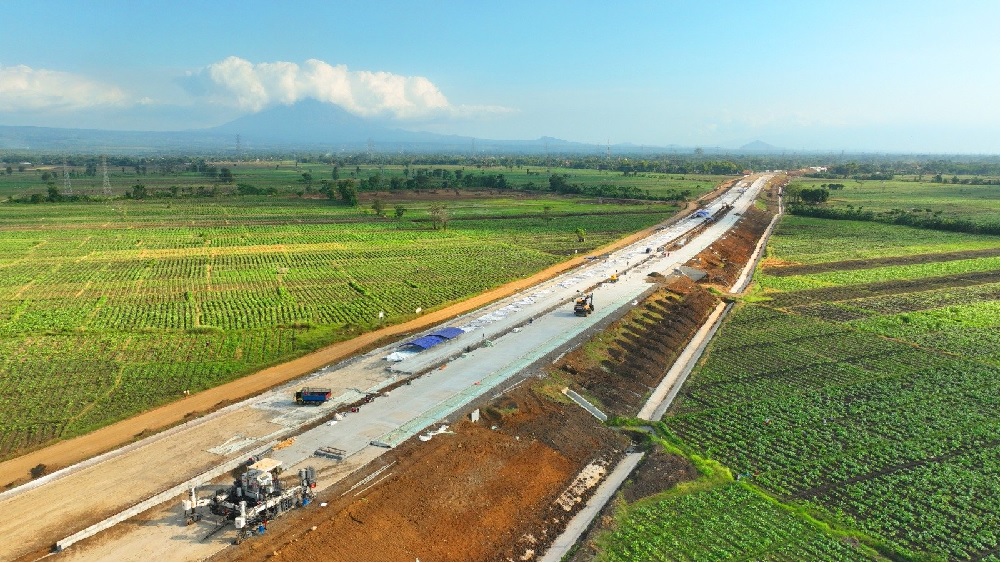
pixel 940 203
pixel 802 240
pixel 881 274
pixel 111 307
pixel 347 182
pixel 872 402
pixel 715 518
pixel 730 522
pixel 980 203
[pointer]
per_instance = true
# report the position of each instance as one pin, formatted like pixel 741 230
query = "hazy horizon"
pixel 857 76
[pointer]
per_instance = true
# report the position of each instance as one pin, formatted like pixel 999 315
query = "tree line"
pixel 866 166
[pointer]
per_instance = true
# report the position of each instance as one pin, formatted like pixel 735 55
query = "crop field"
pixel 868 391
pixel 804 240
pixel 974 202
pixel 110 308
pixel 287 177
pixel 726 523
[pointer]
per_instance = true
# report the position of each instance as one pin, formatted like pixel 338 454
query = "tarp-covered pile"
pixel 433 339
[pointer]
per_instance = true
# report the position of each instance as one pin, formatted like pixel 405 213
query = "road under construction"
pixel 379 400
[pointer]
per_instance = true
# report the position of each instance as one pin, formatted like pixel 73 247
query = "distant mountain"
pixel 13 137
pixel 309 125
pixel 758 146
pixel 313 122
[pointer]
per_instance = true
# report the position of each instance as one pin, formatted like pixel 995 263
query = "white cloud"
pixel 255 86
pixel 23 88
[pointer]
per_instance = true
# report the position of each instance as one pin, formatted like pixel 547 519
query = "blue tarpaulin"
pixel 425 342
pixel 435 338
pixel 448 332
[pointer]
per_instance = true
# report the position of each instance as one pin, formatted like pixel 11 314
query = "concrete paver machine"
pixel 254 499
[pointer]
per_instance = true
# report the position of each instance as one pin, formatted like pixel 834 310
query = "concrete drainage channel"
pixel 654 408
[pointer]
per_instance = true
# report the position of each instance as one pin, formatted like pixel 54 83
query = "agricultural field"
pixel 861 383
pixel 728 522
pixel 112 307
pixel 288 178
pixel 978 203
pixel 804 241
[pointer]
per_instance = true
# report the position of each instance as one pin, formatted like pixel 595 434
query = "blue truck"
pixel 312 395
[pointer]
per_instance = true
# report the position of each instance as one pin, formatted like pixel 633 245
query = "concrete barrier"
pixel 584 403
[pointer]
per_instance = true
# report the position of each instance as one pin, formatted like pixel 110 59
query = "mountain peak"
pixel 756 146
pixel 307 120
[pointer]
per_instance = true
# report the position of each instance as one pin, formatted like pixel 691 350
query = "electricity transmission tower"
pixel 106 186
pixel 67 188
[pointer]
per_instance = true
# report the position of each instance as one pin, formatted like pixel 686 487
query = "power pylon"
pixel 106 186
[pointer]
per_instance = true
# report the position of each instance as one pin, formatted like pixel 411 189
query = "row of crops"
pixel 109 309
pixel 726 523
pixel 876 407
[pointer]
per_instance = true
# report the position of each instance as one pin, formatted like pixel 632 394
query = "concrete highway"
pixel 499 341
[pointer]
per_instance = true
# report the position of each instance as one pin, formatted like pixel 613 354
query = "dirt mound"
pixel 658 472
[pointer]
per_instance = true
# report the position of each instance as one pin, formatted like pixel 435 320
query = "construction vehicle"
pixel 724 208
pixel 312 395
pixel 254 499
pixel 584 305
pixel 613 278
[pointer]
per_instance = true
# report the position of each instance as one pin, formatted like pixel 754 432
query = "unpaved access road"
pixel 68 503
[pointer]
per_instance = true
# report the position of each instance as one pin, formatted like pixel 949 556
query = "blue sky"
pixel 915 76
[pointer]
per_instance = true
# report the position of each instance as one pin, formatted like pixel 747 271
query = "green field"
pixel 287 177
pixel 978 203
pixel 730 522
pixel 805 240
pixel 112 307
pixel 866 393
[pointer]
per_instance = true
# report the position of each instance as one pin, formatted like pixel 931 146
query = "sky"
pixel 878 76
